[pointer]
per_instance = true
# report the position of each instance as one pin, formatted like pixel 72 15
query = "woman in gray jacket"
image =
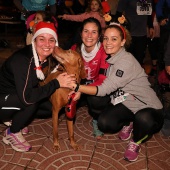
pixel 134 105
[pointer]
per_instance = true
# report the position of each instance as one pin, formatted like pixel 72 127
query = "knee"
pixel 107 126
pixel 148 120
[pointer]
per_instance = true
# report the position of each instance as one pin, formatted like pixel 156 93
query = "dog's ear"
pixel 82 69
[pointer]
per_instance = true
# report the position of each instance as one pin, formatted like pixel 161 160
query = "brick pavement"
pixel 105 154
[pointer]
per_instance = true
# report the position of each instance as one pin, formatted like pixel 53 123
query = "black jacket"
pixel 18 76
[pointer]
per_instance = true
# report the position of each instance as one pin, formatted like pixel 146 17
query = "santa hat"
pixel 42 27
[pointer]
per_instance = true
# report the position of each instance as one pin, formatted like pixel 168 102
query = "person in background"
pixel 113 8
pixel 134 105
pixel 154 41
pixel 21 97
pixel 163 17
pixel 34 19
pixel 166 126
pixel 79 6
pixel 138 13
pixel 28 7
pixel 95 10
pixel 95 65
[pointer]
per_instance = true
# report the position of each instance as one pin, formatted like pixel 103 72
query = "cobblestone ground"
pixel 104 154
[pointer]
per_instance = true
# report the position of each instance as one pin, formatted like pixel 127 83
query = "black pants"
pixel 96 105
pixel 138 48
pixel 21 116
pixel 154 47
pixel 164 35
pixel 111 119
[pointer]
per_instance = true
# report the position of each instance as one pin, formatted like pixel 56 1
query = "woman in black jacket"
pixel 21 97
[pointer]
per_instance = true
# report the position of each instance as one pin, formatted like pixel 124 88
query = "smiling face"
pixel 90 36
pixel 44 45
pixel 112 41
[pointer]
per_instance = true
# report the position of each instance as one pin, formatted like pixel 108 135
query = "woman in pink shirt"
pixel 95 64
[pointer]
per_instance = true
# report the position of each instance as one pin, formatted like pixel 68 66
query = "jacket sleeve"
pixel 122 72
pixel 159 10
pixel 27 84
pixel 77 18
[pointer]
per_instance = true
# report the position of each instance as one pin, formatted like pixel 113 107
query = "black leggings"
pixel 21 115
pixel 111 119
pixel 96 105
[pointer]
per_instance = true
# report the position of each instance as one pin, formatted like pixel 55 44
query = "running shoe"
pixel 16 140
pixel 126 132
pixel 132 151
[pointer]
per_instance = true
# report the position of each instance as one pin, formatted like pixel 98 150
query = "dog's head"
pixel 71 61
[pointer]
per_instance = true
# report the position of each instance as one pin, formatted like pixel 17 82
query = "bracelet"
pixel 77 87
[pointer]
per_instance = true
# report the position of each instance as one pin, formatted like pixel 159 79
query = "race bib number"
pixel 144 9
pixel 119 96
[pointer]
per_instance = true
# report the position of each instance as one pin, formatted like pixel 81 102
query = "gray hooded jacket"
pixel 125 75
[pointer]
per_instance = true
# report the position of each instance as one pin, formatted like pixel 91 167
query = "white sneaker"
pixel 24 131
pixel 16 140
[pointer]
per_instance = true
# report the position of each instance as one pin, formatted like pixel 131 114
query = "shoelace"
pixel 127 129
pixel 133 147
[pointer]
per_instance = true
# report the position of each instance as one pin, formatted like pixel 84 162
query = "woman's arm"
pixel 77 18
pixel 91 90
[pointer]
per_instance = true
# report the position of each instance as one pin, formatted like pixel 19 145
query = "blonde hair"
pixel 100 10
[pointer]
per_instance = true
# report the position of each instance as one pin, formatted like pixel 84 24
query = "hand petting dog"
pixel 64 79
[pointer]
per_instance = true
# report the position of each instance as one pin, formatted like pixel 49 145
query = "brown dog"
pixel 72 63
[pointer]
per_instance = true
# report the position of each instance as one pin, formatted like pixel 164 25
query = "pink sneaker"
pixel 132 151
pixel 25 130
pixel 126 132
pixel 16 140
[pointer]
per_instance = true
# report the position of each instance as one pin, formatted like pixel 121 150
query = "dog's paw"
pixel 56 146
pixel 75 146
